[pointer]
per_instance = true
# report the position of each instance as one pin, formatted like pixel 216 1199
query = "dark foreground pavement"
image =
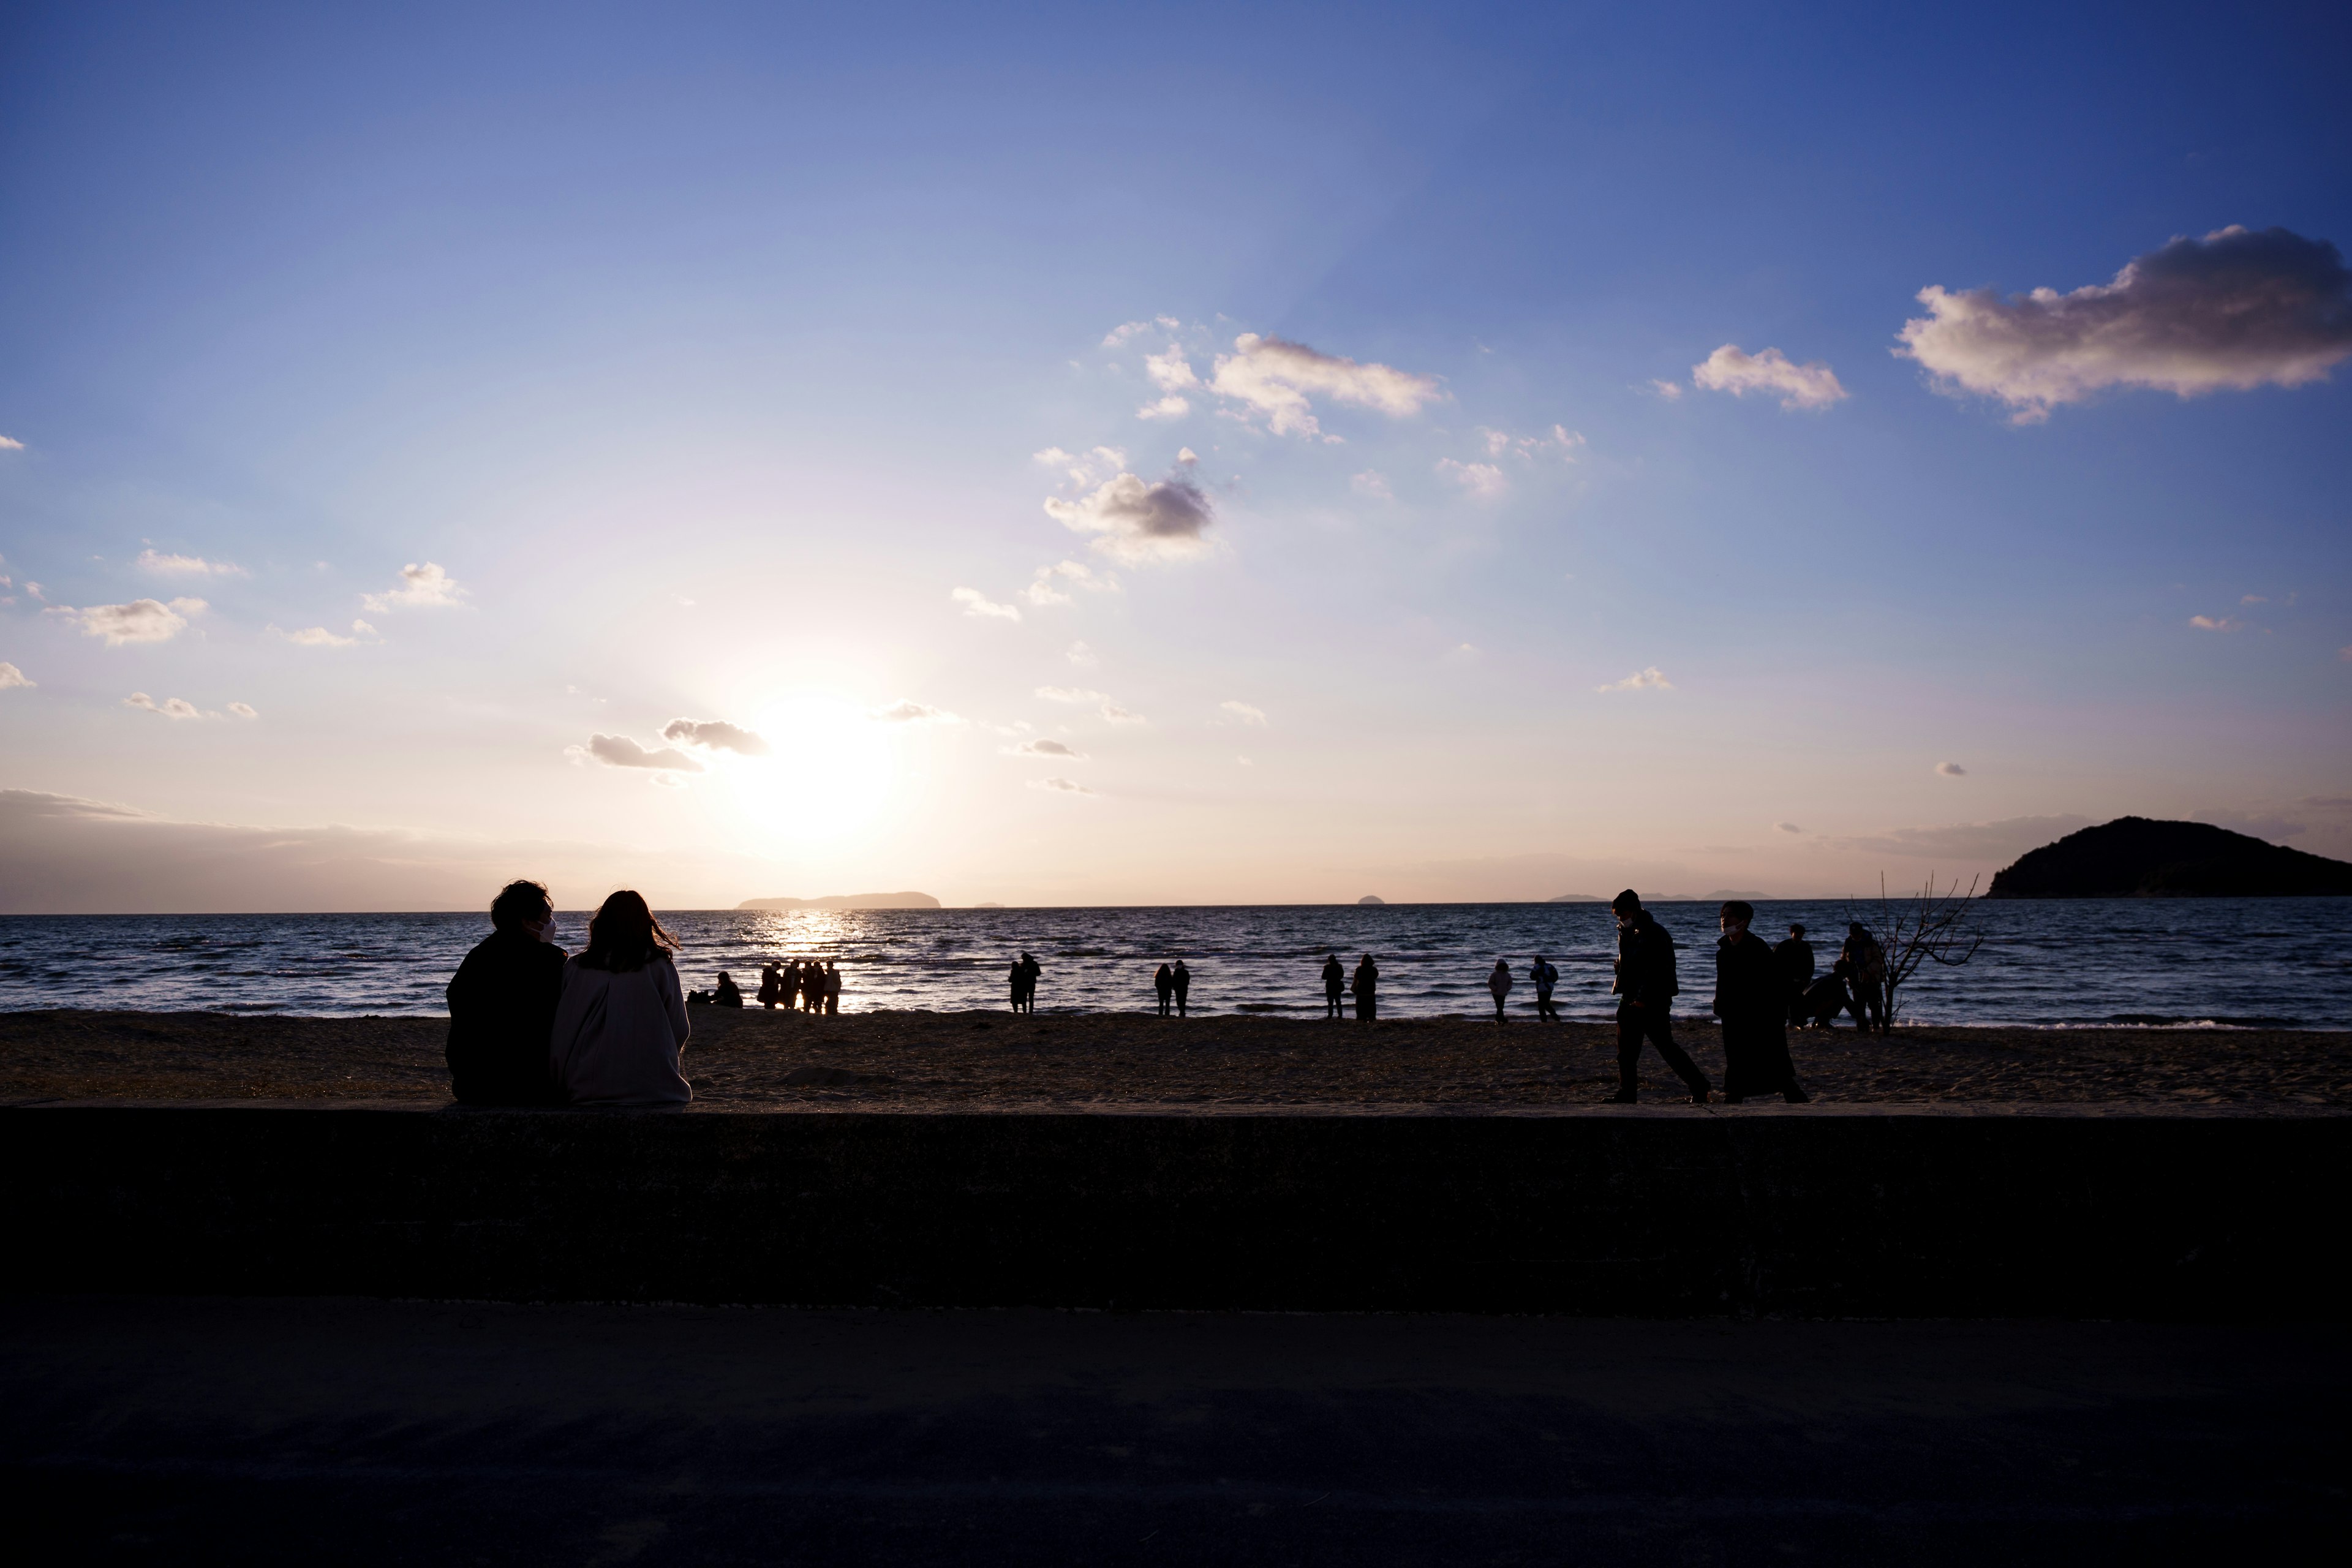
pixel 164 1430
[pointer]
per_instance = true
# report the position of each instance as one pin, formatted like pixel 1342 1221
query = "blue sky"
pixel 708 352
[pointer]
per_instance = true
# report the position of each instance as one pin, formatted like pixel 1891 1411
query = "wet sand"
pixel 994 1061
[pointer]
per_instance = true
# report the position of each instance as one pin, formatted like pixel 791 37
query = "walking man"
pixel 1644 989
pixel 1498 986
pixel 1367 986
pixel 1868 979
pixel 1335 984
pixel 1544 977
pixel 1182 979
pixel 1752 1000
pixel 1795 957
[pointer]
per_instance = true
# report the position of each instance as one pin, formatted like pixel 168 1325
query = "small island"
pixel 2137 857
pixel 845 902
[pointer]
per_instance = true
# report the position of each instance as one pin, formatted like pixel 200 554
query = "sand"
pixel 988 1061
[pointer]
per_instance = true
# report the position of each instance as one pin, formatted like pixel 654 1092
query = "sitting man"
pixel 729 994
pixel 1825 999
pixel 502 1004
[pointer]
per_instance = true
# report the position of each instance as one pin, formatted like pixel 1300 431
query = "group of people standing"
pixel 791 982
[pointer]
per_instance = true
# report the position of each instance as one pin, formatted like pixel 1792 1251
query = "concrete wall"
pixel 1606 1213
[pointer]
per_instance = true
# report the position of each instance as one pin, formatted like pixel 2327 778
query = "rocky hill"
pixel 2136 856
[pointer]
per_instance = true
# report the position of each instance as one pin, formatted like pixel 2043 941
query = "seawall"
pixel 1819 1212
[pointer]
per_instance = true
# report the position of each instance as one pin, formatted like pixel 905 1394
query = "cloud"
pixel 906 711
pixel 714 735
pixel 1480 479
pixel 1168 407
pixel 1951 770
pixel 1171 371
pixel 1244 761
pixel 1044 749
pixel 421 588
pixel 1786 828
pixel 188 565
pixel 1273 377
pixel 620 751
pixel 1072 694
pixel 2235 310
pixel 1061 786
pixel 1650 680
pixel 243 710
pixel 1089 467
pixel 2225 624
pixel 141 620
pixel 2000 841
pixel 1559 438
pixel 320 636
pixel 1245 713
pixel 1808 385
pixel 1046 589
pixel 976 602
pixel 1119 334
pixel 1671 390
pixel 11 677
pixel 1118 715
pixel 1140 522
pixel 10 445
pixel 1372 485
pixel 1079 652
pixel 170 708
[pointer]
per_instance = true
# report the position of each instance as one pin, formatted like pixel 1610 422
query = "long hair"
pixel 624 936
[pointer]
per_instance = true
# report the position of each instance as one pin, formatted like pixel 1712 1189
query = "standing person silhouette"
pixel 1751 997
pixel 1795 957
pixel 770 986
pixel 832 989
pixel 1499 983
pixel 1644 989
pixel 1335 985
pixel 1025 971
pixel 1367 987
pixel 1544 977
pixel 1182 979
pixel 1164 984
pixel 1868 979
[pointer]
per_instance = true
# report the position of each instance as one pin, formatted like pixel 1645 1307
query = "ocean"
pixel 2217 963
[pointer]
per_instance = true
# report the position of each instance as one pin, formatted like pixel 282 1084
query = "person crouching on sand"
pixel 621 1027
pixel 502 1004
pixel 1499 983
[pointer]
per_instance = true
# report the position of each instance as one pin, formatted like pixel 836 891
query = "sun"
pixel 830 769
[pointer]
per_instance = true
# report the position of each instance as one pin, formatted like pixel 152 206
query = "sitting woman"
pixel 729 994
pixel 622 1022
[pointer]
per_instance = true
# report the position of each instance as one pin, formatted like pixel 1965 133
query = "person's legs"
pixel 1660 1028
pixel 1180 1004
pixel 1629 1052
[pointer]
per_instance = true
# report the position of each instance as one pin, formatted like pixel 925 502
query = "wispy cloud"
pixel 1484 480
pixel 1046 589
pixel 320 636
pixel 2002 841
pixel 621 752
pixel 906 711
pixel 1088 468
pixel 2216 624
pixel 1560 441
pixel 13 679
pixel 1044 748
pixel 1650 680
pixel 1072 694
pixel 10 445
pixel 140 621
pixel 714 735
pixel 1120 335
pixel 1786 828
pixel 1372 485
pixel 976 602
pixel 422 587
pixel 1079 652
pixel 1671 390
pixel 1729 369
pixel 2234 310
pixel 1172 373
pixel 187 565
pixel 1061 786
pixel 1273 377
pixel 1951 770
pixel 244 710
pixel 1244 711
pixel 170 708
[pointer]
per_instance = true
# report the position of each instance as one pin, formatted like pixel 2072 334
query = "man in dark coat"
pixel 1796 959
pixel 1182 978
pixel 1751 997
pixel 1163 984
pixel 1644 989
pixel 502 1004
pixel 1335 984
pixel 1367 986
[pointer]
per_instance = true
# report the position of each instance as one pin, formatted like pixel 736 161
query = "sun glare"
pixel 831 771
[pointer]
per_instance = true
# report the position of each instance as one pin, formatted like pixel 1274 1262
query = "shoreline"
pixel 1210 1064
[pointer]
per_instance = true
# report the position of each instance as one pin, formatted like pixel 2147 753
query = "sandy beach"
pixel 987 1061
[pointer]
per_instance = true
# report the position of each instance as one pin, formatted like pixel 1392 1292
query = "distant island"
pixel 2136 856
pixel 846 902
pixel 1370 900
pixel 1577 898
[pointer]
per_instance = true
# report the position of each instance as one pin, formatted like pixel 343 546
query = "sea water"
pixel 2268 963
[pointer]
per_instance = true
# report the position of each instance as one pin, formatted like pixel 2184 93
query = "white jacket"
pixel 617 1036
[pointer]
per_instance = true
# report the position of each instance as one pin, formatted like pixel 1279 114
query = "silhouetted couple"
pixel 1173 985
pixel 607 1027
pixel 1025 971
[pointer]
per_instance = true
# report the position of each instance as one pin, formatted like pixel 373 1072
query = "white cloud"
pixel 1118 715
pixel 1089 467
pixel 1373 485
pixel 8 445
pixel 170 708
pixel 1170 372
pixel 188 565
pixel 1245 713
pixel 906 711
pixel 1168 407
pixel 1484 480
pixel 714 735
pixel 11 677
pixel 1671 390
pixel 2236 309
pixel 1808 385
pixel 976 602
pixel 1650 680
pixel 1186 457
pixel 1046 589
pixel 1061 786
pixel 140 621
pixel 1079 652
pixel 620 751
pixel 1044 748
pixel 1558 440
pixel 1139 521
pixel 1118 335
pixel 1951 770
pixel 421 588
pixel 1072 694
pixel 243 710
pixel 1273 377
pixel 320 636
pixel 2222 624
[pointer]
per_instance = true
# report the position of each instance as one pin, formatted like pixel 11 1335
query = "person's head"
pixel 1736 917
pixel 624 936
pixel 1627 907
pixel 520 906
pixel 723 980
pixel 1541 959
pixel 1797 931
pixel 1853 928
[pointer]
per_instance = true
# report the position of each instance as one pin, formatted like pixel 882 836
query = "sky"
pixel 1181 454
